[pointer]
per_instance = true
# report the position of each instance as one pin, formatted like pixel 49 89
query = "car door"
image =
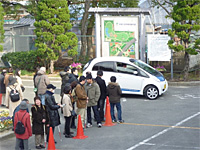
pixel 107 67
pixel 129 82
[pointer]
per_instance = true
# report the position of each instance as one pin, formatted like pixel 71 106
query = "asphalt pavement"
pixel 172 122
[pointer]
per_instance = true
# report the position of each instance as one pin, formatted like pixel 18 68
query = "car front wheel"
pixel 151 92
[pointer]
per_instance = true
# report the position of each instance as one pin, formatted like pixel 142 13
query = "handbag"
pixel 36 89
pixel 23 88
pixel 73 113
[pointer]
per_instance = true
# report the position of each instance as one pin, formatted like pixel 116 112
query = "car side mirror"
pixel 135 72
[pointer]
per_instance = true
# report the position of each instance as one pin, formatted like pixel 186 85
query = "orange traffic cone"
pixel 51 142
pixel 0 98
pixel 80 133
pixel 108 121
pixel 107 102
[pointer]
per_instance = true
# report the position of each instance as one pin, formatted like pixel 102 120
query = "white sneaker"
pixel 99 125
pixel 89 125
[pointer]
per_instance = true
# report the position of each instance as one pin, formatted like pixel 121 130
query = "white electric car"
pixel 133 76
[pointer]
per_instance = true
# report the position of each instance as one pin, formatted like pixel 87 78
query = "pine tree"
pixel 186 16
pixel 52 30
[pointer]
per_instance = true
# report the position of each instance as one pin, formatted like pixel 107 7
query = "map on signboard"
pixel 121 43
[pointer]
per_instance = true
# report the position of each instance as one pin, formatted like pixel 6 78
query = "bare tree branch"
pixel 170 3
pixel 163 7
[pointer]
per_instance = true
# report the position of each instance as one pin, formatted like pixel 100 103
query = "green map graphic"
pixel 121 43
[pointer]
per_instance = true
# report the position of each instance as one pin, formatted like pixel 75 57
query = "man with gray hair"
pixel 41 82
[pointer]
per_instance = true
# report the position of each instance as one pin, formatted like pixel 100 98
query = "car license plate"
pixel 165 86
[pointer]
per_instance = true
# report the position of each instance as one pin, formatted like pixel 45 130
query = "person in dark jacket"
pixel 3 87
pixel 101 101
pixel 114 92
pixel 52 108
pixel 24 117
pixel 40 120
pixel 34 76
pixel 65 77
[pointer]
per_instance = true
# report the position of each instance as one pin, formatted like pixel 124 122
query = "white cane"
pixel 59 133
pixel 45 143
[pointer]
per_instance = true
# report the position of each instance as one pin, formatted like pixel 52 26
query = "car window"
pixel 125 68
pixel 104 66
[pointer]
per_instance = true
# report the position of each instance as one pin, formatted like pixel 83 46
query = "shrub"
pixel 23 60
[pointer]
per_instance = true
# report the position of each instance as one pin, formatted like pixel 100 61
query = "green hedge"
pixel 23 60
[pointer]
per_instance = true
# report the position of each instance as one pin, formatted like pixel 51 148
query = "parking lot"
pixel 172 122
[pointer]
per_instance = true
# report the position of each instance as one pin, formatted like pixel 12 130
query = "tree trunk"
pixel 84 31
pixel 186 68
pixel 90 52
pixel 51 66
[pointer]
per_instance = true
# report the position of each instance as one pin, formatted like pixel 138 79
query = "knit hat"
pixel 43 69
pixel 23 105
pixel 67 68
pixel 82 78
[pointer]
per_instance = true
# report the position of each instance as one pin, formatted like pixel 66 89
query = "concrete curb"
pixel 171 83
pixel 7 134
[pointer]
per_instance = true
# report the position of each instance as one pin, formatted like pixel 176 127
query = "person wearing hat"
pixel 81 99
pixel 93 93
pixel 13 85
pixel 67 109
pixel 52 107
pixel 23 116
pixel 41 82
pixel 13 119
pixel 40 120
pixel 2 87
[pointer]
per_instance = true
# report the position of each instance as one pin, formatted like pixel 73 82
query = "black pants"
pixel 67 125
pixel 73 118
pixel 48 129
pixel 100 106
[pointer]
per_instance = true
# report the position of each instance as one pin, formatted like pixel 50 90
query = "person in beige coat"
pixel 67 109
pixel 12 105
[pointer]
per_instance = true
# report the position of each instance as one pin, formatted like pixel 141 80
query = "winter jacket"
pixel 2 85
pixel 102 86
pixel 27 123
pixel 72 78
pixel 68 107
pixel 82 96
pixel 38 114
pixel 65 77
pixel 114 92
pixel 93 93
pixel 43 82
pixel 52 109
pixel 8 102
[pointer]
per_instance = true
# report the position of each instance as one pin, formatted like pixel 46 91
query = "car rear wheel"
pixel 151 92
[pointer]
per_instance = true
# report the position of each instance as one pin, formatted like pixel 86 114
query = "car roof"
pixel 113 58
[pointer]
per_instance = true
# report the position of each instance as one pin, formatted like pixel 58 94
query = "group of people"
pixel 84 93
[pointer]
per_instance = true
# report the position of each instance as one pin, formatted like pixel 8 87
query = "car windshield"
pixel 86 65
pixel 145 67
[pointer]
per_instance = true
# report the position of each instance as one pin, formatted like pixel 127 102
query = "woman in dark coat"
pixel 52 107
pixel 40 119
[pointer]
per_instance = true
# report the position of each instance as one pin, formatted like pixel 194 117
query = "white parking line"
pixel 162 132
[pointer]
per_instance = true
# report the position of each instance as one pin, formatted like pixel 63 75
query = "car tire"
pixel 151 92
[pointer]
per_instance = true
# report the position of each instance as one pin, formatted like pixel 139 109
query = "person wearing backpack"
pixel 14 95
pixel 40 120
pixel 22 126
